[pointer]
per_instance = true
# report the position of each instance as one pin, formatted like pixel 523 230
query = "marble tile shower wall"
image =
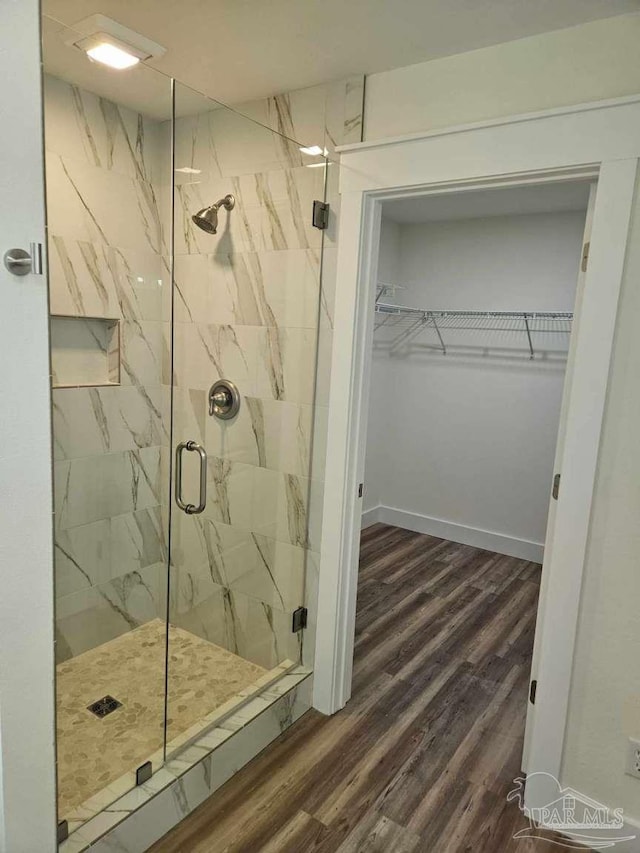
pixel 247 307
pixel 105 166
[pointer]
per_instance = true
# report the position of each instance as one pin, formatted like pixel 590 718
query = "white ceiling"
pixel 238 50
pixel 141 88
pixel 546 198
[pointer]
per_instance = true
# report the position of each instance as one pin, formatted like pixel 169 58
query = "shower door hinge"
pixel 299 620
pixel 144 773
pixel 556 487
pixel 585 256
pixel 532 691
pixel 63 831
pixel 320 218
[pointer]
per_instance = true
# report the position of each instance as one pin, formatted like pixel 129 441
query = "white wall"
pixel 590 62
pixel 27 765
pixel 584 63
pixel 468 438
pixel 604 708
pixel 377 427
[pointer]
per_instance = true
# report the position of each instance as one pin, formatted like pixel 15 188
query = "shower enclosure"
pixel 184 391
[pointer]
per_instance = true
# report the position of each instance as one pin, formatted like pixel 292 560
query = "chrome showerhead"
pixel 207 218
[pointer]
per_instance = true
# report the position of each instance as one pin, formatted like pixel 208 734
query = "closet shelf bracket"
pixel 526 323
pixel 435 326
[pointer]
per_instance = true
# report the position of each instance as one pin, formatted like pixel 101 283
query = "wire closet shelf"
pixel 409 322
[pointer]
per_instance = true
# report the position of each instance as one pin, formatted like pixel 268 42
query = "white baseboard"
pixel 523 549
pixel 369 517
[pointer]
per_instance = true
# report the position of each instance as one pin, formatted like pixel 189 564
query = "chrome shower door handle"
pixel 191 509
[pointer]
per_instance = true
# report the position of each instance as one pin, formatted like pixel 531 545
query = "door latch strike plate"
pixel 556 487
pixel 532 691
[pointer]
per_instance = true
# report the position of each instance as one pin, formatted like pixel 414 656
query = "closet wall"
pixel 379 424
pixel 462 445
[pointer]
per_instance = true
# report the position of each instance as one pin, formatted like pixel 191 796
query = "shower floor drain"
pixel 104 706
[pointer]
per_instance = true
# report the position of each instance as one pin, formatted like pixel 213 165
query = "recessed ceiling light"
pixel 112 55
pixel 105 40
pixel 187 170
pixel 313 150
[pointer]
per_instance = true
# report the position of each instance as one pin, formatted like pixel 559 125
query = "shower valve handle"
pixel 219 399
pixel 224 400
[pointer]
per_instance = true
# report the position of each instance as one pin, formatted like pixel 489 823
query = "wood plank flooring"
pixel 424 754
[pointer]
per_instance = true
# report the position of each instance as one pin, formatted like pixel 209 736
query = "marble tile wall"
pixel 248 307
pixel 254 304
pixel 105 168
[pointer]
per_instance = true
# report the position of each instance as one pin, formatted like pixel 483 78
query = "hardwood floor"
pixel 424 754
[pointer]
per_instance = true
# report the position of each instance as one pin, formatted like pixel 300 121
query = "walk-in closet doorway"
pixel 476 296
pixel 472 321
pixel 560 153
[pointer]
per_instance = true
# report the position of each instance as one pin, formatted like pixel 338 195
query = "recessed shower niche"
pixel 85 351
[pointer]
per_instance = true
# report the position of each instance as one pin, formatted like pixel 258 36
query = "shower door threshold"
pixel 198 765
pixel 110 710
pixel 231 709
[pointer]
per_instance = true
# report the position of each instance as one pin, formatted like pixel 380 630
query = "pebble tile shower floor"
pixel 94 752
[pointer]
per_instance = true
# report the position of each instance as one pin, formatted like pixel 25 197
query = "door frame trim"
pixel 599 141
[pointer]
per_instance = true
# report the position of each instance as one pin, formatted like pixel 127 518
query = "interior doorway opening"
pixel 475 296
pixel 474 306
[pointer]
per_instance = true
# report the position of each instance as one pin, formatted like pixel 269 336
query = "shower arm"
pixel 227 202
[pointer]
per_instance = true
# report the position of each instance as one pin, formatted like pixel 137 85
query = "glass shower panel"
pixel 108 175
pixel 246 302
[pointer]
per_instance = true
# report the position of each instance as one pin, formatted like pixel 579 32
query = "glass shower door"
pixel 184 284
pixel 246 295
pixel 108 179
